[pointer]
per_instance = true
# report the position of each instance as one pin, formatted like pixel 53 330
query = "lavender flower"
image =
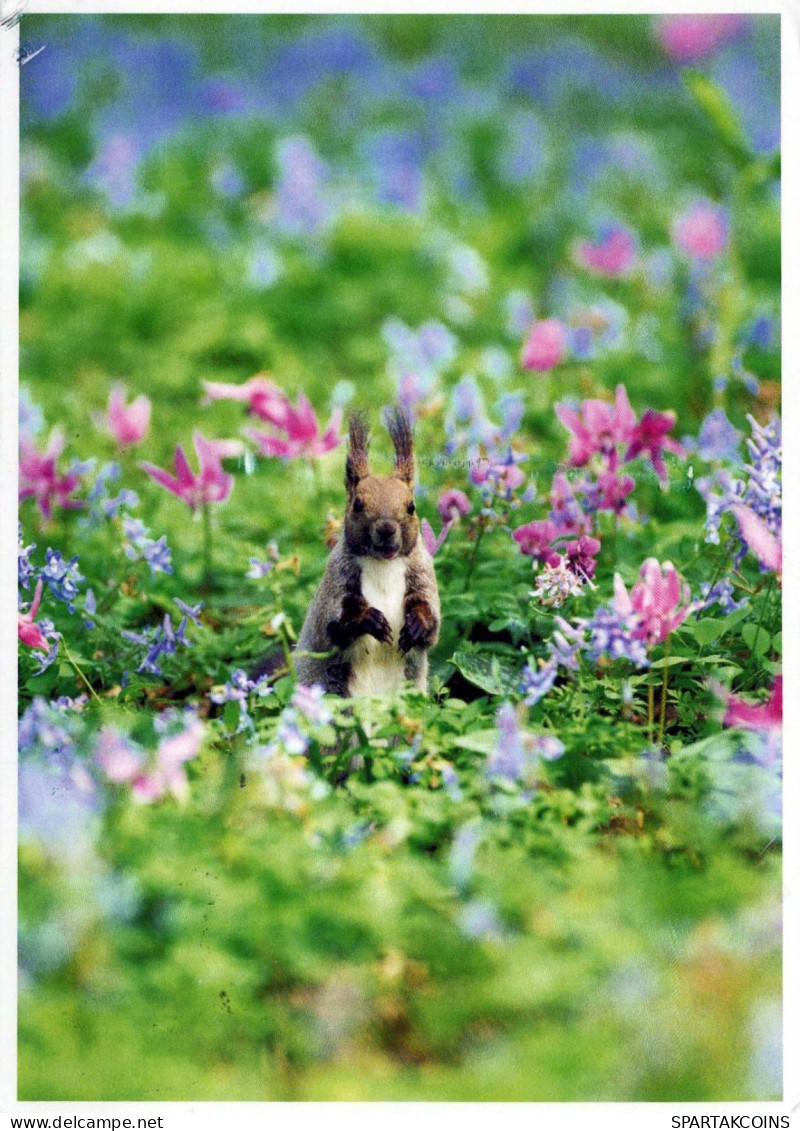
pixel 462 854
pixel 238 690
pixel 161 641
pixel 62 578
pixel 722 593
pixel 611 634
pixel 718 439
pixel 555 583
pixel 537 681
pixel 139 546
pixel 26 571
pixel 309 703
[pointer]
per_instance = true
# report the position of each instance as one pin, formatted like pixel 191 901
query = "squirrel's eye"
pixel 358 505
pixel 411 507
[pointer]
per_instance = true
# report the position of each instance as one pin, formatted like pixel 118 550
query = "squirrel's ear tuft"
pixel 399 424
pixel 357 465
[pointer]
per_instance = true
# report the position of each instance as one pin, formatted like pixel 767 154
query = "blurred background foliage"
pixel 205 198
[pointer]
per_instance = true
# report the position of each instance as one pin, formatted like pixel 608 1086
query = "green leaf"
pixel 709 629
pixel 231 714
pixel 757 639
pixel 670 662
pixel 482 741
pixel 717 109
pixel 487 671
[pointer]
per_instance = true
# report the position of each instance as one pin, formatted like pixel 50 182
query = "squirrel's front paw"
pixel 375 624
pixel 419 628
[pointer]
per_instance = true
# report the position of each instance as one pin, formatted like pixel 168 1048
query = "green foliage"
pixel 380 913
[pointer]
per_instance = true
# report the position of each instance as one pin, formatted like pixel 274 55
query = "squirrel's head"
pixel 381 520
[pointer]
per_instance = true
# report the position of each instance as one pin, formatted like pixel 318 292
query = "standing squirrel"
pixel 377 607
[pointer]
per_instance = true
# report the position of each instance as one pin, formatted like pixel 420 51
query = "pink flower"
pixel 453 504
pixel 686 38
pixel 210 485
pixel 610 492
pixel 757 716
pixel 122 762
pixel 261 395
pixel 430 541
pixel 649 437
pixel 598 427
pixel 39 478
pixel 659 599
pixel 29 632
pixel 172 752
pixel 613 253
pixel 545 345
pixel 116 757
pixel 534 540
pixel 565 510
pixel 127 424
pixel 502 477
pixel 580 556
pixel 303 437
pixel 701 231
pixel 759 537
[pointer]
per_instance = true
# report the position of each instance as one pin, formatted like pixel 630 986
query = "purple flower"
pixel 310 703
pixel 62 578
pixel 537 681
pixel 462 854
pixel 520 314
pixel 453 504
pixel 191 611
pixel 139 546
pixel 718 439
pixel 238 690
pixel 612 634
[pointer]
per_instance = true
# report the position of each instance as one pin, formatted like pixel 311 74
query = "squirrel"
pixel 376 611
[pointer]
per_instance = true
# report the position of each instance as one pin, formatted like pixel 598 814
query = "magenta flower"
pixel 650 438
pixel 689 37
pixel 613 253
pixel 759 537
pixel 429 540
pixel 565 510
pixel 504 477
pixel 40 479
pixel 261 395
pixel 757 716
pixel 598 427
pixel 701 231
pixel 535 538
pixel 210 485
pixel 580 556
pixel 453 504
pixel 303 436
pixel 610 492
pixel 126 424
pixel 545 346
pixel 660 601
pixel 28 631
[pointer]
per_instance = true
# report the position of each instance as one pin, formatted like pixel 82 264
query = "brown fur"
pixel 380 523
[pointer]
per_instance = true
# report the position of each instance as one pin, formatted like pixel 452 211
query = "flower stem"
pixel 651 697
pixel 78 671
pixel 207 548
pixel 287 652
pixel 663 708
pixel 475 545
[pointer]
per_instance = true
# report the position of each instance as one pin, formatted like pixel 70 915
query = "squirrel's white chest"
pixel 376 668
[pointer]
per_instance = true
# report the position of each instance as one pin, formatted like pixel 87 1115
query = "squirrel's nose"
pixel 385 531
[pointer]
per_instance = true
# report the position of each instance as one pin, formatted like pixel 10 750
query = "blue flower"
pixel 62 577
pixel 718 439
